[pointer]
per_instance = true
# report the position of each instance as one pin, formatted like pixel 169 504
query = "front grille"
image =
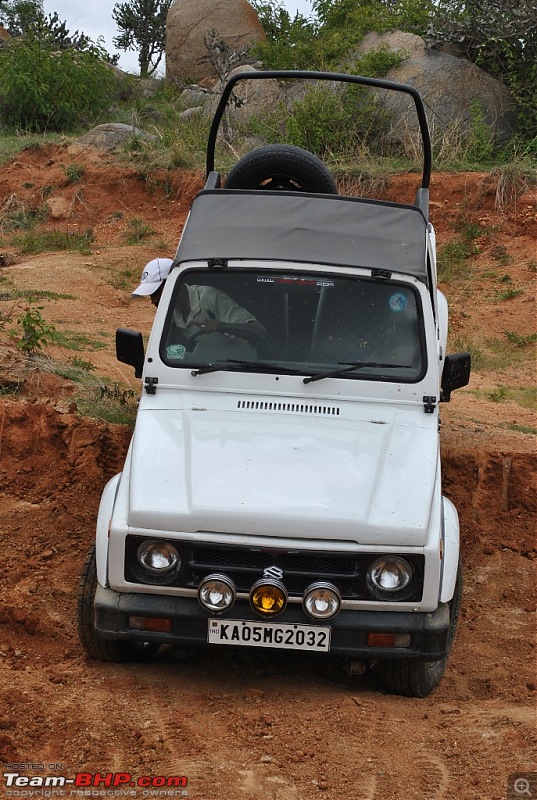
pixel 245 565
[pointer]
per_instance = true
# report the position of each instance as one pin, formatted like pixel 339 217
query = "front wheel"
pixel 418 678
pixel 94 645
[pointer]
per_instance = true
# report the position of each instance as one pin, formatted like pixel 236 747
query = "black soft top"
pixel 305 228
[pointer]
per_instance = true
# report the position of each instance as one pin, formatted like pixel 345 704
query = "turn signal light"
pixel 151 624
pixel 388 640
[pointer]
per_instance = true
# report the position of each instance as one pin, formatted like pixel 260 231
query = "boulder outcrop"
pixel 187 24
pixel 453 89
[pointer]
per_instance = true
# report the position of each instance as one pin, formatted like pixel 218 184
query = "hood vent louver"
pixel 292 408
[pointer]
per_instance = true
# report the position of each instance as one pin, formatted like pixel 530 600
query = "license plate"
pixel 269 634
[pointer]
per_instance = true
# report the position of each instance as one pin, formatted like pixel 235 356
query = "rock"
pixel 451 89
pixel 189 113
pixel 7 259
pixel 58 207
pixel 109 137
pixel 193 97
pixel 188 22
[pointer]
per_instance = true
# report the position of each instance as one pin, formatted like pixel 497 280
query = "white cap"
pixel 155 272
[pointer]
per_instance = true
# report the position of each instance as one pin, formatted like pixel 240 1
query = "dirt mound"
pixel 239 725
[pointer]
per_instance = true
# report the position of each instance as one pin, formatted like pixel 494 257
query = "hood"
pixel 368 480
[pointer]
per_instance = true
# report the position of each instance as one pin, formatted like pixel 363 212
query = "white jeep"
pixel 282 488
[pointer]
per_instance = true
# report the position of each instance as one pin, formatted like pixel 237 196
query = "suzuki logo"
pixel 273 572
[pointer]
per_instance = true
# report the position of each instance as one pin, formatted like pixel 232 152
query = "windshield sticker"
pixel 175 351
pixel 398 302
pixel 295 280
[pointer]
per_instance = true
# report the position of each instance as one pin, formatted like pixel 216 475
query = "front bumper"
pixel 189 624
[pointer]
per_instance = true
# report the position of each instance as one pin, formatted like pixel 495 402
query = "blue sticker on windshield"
pixel 398 302
pixel 175 351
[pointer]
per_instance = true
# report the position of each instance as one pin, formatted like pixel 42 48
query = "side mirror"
pixel 130 349
pixel 456 373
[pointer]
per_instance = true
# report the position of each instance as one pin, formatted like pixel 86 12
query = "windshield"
pixel 267 321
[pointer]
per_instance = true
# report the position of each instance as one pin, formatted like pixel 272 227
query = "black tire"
pixel 95 646
pixel 418 678
pixel 281 167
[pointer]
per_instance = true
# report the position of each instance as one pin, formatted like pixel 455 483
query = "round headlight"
pixel 158 557
pixel 388 576
pixel 321 600
pixel 216 593
pixel 268 597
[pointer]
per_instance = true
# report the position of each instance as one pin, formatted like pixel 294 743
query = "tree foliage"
pixel 142 25
pixel 501 37
pixel 44 86
pixel 26 17
pixel 20 16
pixel 290 41
pixel 336 30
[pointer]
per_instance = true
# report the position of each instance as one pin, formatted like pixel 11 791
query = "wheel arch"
pixel 451 543
pixel 106 507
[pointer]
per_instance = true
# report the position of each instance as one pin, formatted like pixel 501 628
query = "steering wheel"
pixel 258 339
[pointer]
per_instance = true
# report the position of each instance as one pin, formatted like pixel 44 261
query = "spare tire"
pixel 281 167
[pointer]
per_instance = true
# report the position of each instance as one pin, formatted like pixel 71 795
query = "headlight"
pixel 158 557
pixel 321 600
pixel 388 577
pixel 268 597
pixel 216 593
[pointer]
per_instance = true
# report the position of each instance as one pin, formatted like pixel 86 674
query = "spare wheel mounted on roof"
pixel 281 167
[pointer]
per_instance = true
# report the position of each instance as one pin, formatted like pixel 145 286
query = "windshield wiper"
pixel 262 366
pixel 255 366
pixel 352 365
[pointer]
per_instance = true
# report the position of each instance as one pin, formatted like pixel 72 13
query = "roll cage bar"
pixel 323 76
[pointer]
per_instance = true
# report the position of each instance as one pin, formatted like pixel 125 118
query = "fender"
pixel 106 506
pixel 450 525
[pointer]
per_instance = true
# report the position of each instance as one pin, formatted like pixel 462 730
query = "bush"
pixel 43 87
pixel 336 122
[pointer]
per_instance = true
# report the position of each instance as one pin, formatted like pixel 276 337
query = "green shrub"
pixel 335 122
pixel 33 242
pixel 74 172
pixel 34 331
pixel 44 87
pixel 138 231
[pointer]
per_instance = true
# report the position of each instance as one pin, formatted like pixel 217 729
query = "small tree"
pixel 21 16
pixel 46 87
pixel 142 25
pixel 290 41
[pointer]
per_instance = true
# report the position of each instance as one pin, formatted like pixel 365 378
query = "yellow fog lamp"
pixel 268 597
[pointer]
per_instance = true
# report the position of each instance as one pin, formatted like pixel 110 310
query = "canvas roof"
pixel 305 228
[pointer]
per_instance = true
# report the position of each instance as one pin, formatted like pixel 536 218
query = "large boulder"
pixel 187 24
pixel 110 137
pixel 454 91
